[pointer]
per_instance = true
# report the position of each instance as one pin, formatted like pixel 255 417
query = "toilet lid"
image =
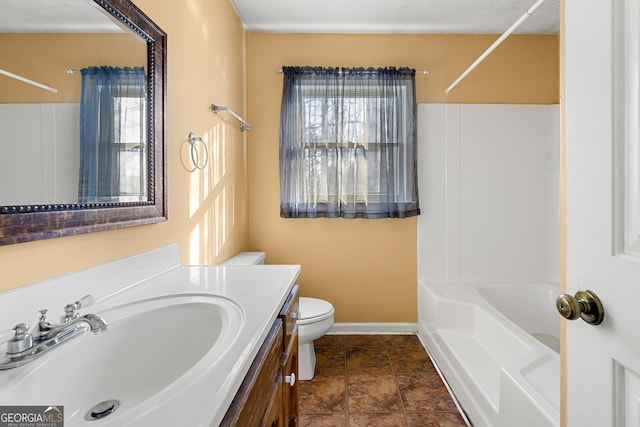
pixel 314 309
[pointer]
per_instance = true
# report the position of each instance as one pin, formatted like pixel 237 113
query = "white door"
pixel 602 51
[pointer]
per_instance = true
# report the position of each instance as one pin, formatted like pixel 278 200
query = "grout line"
pixel 395 379
pixel 461 410
pixel 346 374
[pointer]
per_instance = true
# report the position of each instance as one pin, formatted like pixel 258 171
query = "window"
pixel 348 143
pixel 113 152
pixel 130 133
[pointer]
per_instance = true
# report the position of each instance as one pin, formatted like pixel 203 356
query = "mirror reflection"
pixel 82 138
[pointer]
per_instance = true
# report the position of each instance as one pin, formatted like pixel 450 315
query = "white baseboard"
pixel 373 328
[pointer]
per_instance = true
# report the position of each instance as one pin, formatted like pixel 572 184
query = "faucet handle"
pixel 71 310
pixel 21 330
pixel 85 301
pixel 21 340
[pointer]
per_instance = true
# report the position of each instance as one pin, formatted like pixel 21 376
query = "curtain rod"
pixel 494 45
pixel 244 126
pixel 425 71
pixel 29 81
pixel 73 71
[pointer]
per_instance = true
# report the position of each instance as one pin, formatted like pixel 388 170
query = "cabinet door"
pixel 290 386
pixel 289 315
pixel 274 415
pixel 256 393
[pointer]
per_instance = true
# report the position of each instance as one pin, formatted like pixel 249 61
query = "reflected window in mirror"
pixel 113 135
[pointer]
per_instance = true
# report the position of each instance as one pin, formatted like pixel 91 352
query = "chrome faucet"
pixel 27 346
pixel 45 330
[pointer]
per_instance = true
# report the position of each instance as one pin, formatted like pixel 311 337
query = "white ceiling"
pixel 397 16
pixel 55 16
pixel 311 16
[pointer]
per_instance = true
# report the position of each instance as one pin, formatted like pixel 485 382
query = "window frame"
pixel 402 191
pixel 126 147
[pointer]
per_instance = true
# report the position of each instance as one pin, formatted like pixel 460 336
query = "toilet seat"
pixel 314 310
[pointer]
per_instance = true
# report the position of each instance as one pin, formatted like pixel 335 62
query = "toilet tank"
pixel 245 258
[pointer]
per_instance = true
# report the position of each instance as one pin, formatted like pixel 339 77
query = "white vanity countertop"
pixel 260 292
pixel 202 400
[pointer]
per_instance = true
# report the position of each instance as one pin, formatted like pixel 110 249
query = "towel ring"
pixel 195 157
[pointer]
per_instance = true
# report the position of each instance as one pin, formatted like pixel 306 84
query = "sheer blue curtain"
pixel 348 143
pixel 105 117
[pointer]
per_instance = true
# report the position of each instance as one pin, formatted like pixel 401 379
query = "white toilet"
pixel 246 258
pixel 314 320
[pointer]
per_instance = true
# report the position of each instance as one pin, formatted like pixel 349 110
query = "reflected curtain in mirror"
pixel 348 143
pixel 113 152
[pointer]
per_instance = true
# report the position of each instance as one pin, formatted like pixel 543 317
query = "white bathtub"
pixel 497 346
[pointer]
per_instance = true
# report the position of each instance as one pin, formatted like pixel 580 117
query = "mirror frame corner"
pixel 20 224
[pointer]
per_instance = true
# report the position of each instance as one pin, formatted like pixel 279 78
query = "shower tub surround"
pixel 497 346
pixel 170 379
pixel 488 257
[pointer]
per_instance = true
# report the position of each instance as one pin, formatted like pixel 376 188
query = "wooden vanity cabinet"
pixel 262 386
pixel 266 396
pixel 289 367
pixel 290 391
pixel 273 417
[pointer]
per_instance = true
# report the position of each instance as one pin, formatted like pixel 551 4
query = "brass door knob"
pixel 585 304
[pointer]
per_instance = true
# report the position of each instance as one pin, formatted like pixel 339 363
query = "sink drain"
pixel 102 409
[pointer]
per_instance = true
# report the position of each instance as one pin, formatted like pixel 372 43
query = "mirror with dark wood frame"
pixel 61 209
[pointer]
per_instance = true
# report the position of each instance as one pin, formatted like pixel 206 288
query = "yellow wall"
pixel 367 268
pixel 207 211
pixel 37 57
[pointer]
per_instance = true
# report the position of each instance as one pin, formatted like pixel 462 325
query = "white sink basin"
pixel 151 351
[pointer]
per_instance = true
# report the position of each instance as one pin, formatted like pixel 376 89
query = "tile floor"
pixel 375 381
